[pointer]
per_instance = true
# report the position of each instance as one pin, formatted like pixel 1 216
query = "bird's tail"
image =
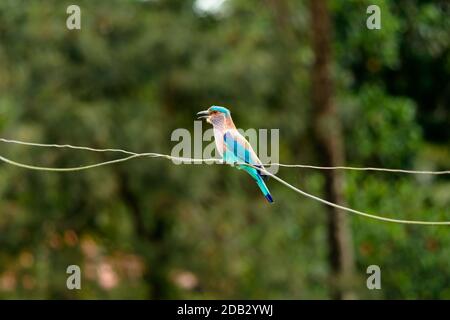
pixel 264 188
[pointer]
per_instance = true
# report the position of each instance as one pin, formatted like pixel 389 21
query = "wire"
pixel 132 155
pixel 214 160
pixel 362 169
pixel 364 214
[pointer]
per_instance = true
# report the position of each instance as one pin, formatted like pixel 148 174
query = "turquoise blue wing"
pixel 237 149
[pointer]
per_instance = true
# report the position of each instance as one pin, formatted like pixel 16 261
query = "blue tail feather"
pixel 269 198
pixel 264 189
pixel 259 181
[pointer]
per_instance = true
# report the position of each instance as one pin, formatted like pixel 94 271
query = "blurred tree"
pixel 137 70
pixel 330 144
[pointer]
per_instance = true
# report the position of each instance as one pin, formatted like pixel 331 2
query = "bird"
pixel 233 147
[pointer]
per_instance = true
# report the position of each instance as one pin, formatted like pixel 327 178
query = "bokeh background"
pixel 148 229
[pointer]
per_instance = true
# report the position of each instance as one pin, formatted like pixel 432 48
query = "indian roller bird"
pixel 233 147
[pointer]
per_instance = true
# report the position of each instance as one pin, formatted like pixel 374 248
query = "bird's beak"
pixel 203 114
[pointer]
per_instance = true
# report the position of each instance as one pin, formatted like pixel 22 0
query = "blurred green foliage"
pixel 137 70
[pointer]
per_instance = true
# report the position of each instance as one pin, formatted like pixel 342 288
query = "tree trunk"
pixel 330 143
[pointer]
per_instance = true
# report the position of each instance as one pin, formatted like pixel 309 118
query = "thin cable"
pixel 214 160
pixel 157 155
pixel 31 167
pixel 64 146
pixel 364 214
pixel 361 169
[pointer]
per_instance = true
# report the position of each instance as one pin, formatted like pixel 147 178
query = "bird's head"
pixel 215 115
